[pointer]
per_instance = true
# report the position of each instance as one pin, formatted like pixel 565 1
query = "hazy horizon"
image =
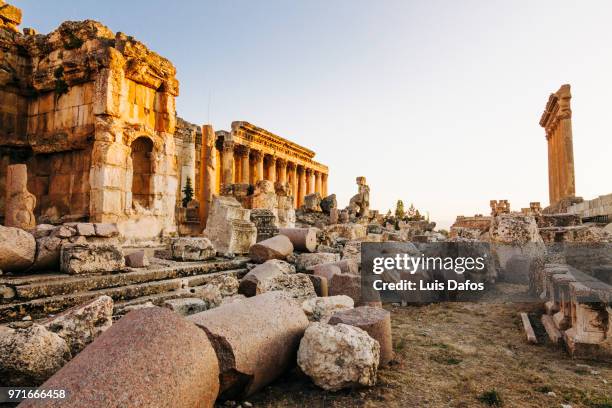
pixel 436 103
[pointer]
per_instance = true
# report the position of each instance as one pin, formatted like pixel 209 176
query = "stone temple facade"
pixel 92 115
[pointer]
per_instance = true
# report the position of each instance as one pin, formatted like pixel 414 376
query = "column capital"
pixel 282 163
pixel 228 145
pixel 309 171
pixel 242 150
pixel 257 154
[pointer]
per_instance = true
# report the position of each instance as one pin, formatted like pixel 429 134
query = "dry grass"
pixel 462 355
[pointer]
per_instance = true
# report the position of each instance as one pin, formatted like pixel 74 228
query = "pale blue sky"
pixel 435 102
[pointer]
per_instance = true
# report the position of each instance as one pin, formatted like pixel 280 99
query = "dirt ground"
pixel 463 355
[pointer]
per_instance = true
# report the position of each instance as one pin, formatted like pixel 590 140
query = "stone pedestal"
pixel 229 227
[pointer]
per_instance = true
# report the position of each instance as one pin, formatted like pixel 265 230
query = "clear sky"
pixel 435 102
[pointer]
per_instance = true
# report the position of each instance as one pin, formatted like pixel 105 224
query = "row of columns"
pixel 240 164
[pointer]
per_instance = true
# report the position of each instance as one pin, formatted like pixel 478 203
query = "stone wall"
pixel 92 114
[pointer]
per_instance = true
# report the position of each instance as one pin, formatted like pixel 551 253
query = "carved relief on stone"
pixel 20 203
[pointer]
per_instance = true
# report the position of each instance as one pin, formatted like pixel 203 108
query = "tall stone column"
pixel 282 170
pixel 208 171
pixel 272 169
pixel 20 203
pixel 302 185
pixel 551 159
pixel 293 180
pixel 309 182
pixel 258 158
pixel 228 162
pixel 317 175
pixel 244 162
pixel 565 125
pixel 324 185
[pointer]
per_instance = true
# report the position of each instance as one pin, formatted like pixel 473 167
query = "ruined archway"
pixel 142 177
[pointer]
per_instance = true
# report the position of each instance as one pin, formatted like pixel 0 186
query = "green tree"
pixel 188 192
pixel 399 210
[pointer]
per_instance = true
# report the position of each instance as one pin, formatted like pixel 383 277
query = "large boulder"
pixel 339 356
pixel 345 284
pixel 17 249
pixel 320 309
pixel 91 258
pixel 303 239
pixel 186 306
pixel 375 321
pixel 277 247
pixel 30 355
pixel 81 324
pixel 306 262
pixel 48 249
pixel 192 249
pixel 255 339
pixel 151 357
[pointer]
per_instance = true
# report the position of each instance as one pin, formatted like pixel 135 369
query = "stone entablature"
pixel 557 122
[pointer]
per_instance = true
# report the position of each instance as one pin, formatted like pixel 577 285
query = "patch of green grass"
pixel 605 402
pixel 491 398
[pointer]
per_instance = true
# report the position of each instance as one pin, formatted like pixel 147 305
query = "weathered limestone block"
pixel 350 231
pixel 277 247
pixel 137 259
pixel 375 321
pixel 286 212
pixel 85 229
pixel 345 284
pixel 257 276
pixel 17 249
pixel 320 309
pixel 31 355
pixel 312 203
pixel 352 251
pixel 303 239
pixel 186 306
pixel 334 214
pixel 255 340
pixel 20 203
pixel 227 285
pixel 106 230
pixel 264 195
pixel 91 258
pixel 47 254
pixel 150 357
pixel 297 285
pixel 192 249
pixel 339 356
pixel 229 226
pixel 306 262
pixel 328 203
pixel 326 270
pixel 81 324
pixel 359 205
pixel 10 16
pixel 517 247
pixel 210 294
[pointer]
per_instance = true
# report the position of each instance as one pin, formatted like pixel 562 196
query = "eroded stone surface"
pixel 150 357
pixel 192 249
pixel 17 249
pixel 80 325
pixel 306 262
pixel 320 309
pixel 255 339
pixel 31 355
pixel 91 258
pixel 339 356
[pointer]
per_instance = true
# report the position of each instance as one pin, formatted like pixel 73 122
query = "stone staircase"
pixel 39 295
